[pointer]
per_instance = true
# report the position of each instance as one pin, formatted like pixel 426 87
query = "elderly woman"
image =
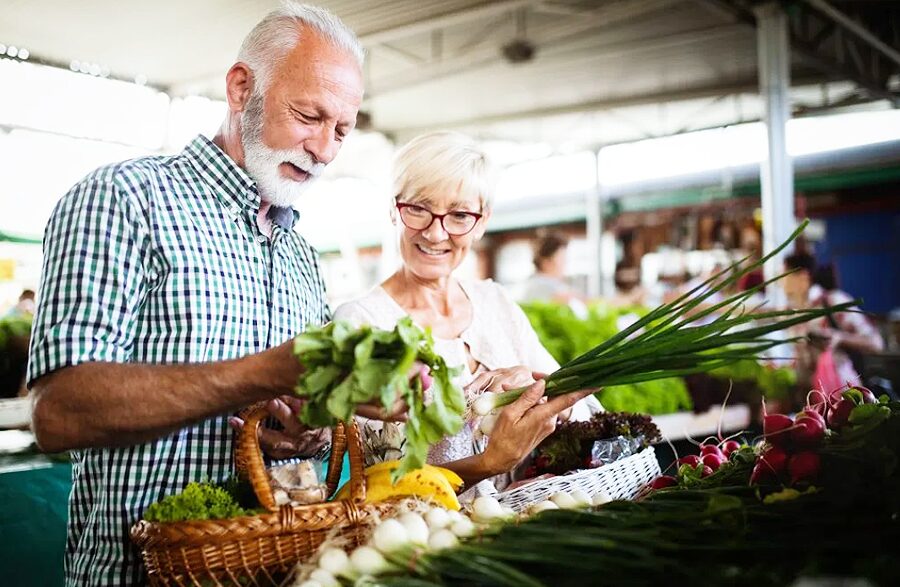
pixel 442 184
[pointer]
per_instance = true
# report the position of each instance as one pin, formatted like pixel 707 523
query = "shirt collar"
pixel 233 186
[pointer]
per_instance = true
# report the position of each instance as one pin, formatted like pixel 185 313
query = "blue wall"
pixel 865 249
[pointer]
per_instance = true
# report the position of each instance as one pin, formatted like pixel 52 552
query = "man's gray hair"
pixel 276 34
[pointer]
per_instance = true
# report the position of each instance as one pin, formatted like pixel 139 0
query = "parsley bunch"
pixel 346 366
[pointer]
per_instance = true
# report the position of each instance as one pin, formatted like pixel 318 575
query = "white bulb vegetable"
pixel 416 528
pixel 485 508
pixel 543 506
pixel 437 518
pixel 310 583
pixel 564 500
pixel 324 578
pixel 487 424
pixel 390 535
pixel 442 539
pixel 600 498
pixel 368 561
pixel 336 562
pixel 454 516
pixel 463 527
pixel 485 403
pixel 581 498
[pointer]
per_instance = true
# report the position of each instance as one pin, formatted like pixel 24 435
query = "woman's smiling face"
pixel 431 253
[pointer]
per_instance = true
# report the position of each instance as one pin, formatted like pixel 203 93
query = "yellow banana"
pixel 455 480
pixel 425 483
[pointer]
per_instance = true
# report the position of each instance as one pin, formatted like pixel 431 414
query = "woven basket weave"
pixel 622 479
pixel 258 550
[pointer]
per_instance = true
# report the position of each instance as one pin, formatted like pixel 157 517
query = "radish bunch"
pixel 789 452
pixel 711 458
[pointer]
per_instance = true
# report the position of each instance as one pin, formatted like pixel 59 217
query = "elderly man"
pixel 170 285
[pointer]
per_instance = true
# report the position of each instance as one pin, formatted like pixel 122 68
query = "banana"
pixel 426 483
pixel 437 483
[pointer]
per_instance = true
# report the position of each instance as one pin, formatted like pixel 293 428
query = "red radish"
pixel 760 474
pixel 773 460
pixel 840 413
pixel 804 466
pixel 663 481
pixel 713 461
pixel 710 449
pixel 815 401
pixel 707 471
pixel 690 460
pixel 868 396
pixel 729 446
pixel 809 429
pixel 775 427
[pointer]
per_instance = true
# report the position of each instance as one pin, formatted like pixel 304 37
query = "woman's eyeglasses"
pixel 455 223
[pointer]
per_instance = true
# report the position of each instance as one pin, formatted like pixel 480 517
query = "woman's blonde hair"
pixel 443 162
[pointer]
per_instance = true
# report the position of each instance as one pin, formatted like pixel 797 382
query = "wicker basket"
pixel 622 479
pixel 257 550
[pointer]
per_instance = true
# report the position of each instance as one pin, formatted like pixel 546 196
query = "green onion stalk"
pixel 668 342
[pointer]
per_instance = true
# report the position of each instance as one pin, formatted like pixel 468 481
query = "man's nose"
pixel 322 146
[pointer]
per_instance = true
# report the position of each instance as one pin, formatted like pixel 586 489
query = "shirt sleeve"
pixel 92 281
pixel 855 322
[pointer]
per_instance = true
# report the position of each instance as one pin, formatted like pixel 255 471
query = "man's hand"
pixel 295 439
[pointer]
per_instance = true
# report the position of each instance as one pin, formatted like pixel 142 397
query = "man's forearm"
pixel 112 404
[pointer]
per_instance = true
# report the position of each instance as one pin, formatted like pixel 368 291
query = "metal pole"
pixel 594 221
pixel 777 174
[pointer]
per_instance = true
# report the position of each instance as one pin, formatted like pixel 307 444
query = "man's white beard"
pixel 261 161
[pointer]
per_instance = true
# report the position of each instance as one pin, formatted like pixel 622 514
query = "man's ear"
pixel 238 86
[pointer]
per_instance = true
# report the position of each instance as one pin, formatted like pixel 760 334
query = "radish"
pixel 868 396
pixel 663 481
pixel 713 461
pixel 816 402
pixel 840 412
pixel 689 460
pixel 775 427
pixel 773 460
pixel 707 471
pixel 809 429
pixel 804 466
pixel 710 449
pixel 425 377
pixel 760 474
pixel 729 446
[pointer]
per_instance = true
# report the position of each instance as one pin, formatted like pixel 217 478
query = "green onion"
pixel 664 344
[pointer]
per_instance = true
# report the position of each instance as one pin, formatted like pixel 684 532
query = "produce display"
pixel 667 342
pixel 715 522
pixel 345 366
pixel 570 446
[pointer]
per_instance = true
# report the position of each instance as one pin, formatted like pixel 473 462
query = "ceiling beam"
pixel 856 28
pixel 482 11
pixel 746 86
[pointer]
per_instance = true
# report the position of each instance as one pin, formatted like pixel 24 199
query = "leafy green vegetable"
pixel 198 501
pixel 347 366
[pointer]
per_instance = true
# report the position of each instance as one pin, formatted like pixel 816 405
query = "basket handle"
pixel 249 459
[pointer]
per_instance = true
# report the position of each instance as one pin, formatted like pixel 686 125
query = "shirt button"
pixel 261 239
pixel 233 210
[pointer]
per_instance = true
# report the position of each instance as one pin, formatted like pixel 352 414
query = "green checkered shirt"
pixel 160 260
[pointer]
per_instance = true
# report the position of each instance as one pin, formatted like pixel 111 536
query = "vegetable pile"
pixel 198 501
pixel 569 447
pixel 663 343
pixel 716 529
pixel 345 366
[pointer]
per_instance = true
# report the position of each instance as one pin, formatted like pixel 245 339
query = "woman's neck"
pixel 415 293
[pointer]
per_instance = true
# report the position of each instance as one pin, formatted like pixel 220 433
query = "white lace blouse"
pixel 499 336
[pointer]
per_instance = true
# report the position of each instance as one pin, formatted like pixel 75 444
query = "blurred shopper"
pixel 443 185
pixel 832 356
pixel 548 282
pixel 24 306
pixel 170 287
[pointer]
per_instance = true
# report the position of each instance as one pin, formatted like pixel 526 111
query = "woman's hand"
pixel 501 379
pixel 523 424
